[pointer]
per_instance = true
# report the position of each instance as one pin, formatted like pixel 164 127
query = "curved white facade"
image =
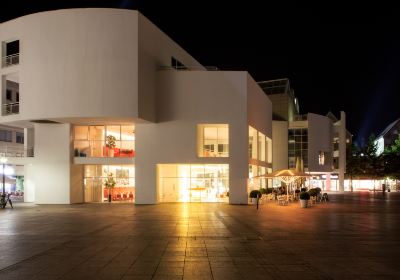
pixel 87 63
pixel 102 72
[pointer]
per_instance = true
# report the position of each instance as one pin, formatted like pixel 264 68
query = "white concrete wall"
pixel 155 49
pixel 319 139
pixel 49 175
pixel 186 99
pixel 342 150
pixel 259 108
pixel 29 183
pixel 279 145
pixel 76 63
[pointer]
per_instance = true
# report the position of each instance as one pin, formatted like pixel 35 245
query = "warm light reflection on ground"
pixel 354 236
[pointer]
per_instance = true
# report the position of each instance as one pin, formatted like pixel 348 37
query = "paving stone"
pixel 354 236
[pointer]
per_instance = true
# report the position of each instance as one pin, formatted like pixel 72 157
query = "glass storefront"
pixel 96 176
pixel 193 182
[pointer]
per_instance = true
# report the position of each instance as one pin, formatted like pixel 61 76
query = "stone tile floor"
pixel 354 236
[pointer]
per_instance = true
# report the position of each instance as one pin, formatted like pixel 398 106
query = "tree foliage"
pixel 364 162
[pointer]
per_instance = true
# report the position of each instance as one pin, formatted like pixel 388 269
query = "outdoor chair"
pixel 325 198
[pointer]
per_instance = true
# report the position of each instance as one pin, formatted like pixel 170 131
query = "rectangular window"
pixel 261 146
pixel 297 146
pixel 8 95
pixel 213 140
pixel 17 97
pixel 12 48
pixel 253 151
pixel 193 182
pixel 5 135
pixel 104 141
pixel 10 53
pixel 95 177
pixel 269 150
pixel 19 137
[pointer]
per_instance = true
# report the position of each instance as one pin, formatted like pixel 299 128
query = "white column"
pixel 29 184
pixel 328 182
pixel 51 170
pixel 342 150
pixel 29 140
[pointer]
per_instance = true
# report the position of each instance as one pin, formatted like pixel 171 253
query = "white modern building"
pixel 388 136
pixel 104 93
pixel 318 141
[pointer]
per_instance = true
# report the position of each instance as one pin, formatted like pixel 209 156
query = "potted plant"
pixel 110 144
pixel 109 183
pixel 304 198
pixel 254 195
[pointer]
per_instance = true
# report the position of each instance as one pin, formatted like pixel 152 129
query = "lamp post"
pixel 3 160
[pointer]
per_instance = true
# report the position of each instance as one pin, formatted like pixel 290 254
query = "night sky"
pixel 336 57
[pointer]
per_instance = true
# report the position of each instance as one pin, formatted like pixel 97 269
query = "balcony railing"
pixel 10 109
pixel 189 68
pixel 10 60
pixel 300 117
pixel 98 148
pixel 15 151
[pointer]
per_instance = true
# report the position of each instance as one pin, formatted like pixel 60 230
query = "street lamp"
pixel 3 160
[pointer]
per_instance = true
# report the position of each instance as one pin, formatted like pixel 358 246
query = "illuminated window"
pixel 95 177
pixel 269 149
pixel 261 146
pixel 213 140
pixel 104 141
pixel 252 143
pixel 297 146
pixel 193 182
pixel 321 158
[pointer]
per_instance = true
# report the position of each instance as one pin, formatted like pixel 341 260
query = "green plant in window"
pixel 109 183
pixel 110 141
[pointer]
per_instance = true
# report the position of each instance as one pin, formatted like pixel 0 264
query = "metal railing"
pixel 189 68
pixel 300 117
pixel 15 151
pixel 98 148
pixel 10 60
pixel 10 109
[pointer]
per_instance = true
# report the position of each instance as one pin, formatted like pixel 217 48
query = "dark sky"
pixel 336 57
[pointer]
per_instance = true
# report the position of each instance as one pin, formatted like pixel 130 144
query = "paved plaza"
pixel 354 236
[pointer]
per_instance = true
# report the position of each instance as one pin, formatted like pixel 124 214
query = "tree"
pixel 109 183
pixel 395 148
pixel 391 160
pixel 372 164
pixel 353 163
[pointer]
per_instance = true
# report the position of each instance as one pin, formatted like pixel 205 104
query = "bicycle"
pixel 4 201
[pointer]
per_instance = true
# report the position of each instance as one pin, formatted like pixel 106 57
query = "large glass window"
pixel 253 143
pixel 213 140
pixel 269 149
pixel 193 182
pixel 19 137
pixel 298 146
pixel 5 135
pixel 104 141
pixel 96 175
pixel 261 146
